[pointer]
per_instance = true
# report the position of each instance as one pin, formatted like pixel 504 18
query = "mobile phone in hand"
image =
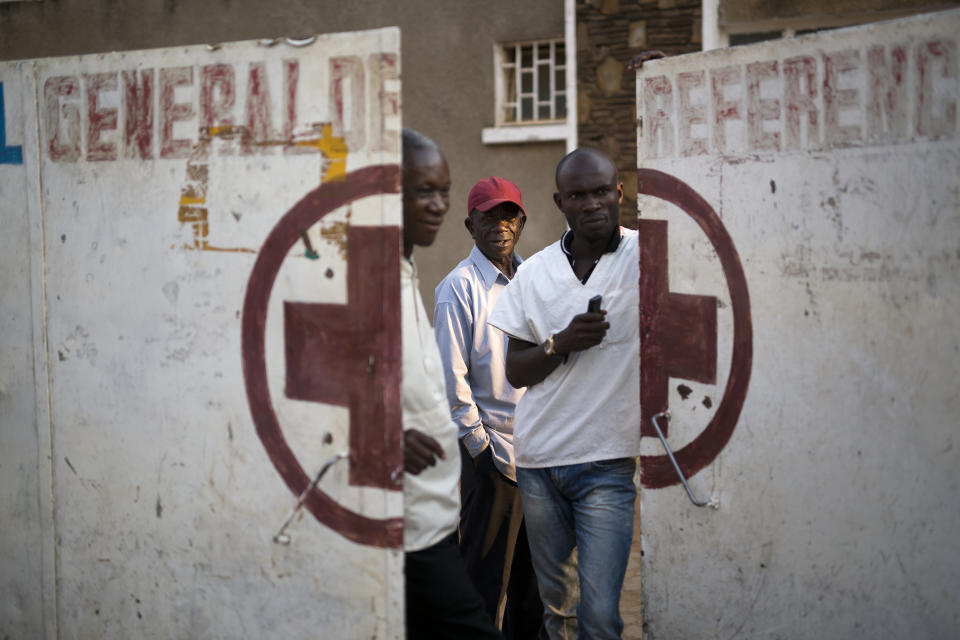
pixel 594 305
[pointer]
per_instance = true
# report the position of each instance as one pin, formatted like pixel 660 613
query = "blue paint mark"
pixel 8 155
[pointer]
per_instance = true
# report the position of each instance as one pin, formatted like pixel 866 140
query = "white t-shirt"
pixel 588 408
pixel 431 499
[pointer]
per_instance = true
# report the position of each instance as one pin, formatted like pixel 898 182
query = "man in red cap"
pixel 493 537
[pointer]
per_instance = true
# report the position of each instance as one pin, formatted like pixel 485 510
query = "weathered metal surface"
pixel 141 492
pixel 26 535
pixel 833 163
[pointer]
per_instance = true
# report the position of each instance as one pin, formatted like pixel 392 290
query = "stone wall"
pixel 609 34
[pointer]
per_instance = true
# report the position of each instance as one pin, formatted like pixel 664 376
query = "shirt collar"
pixel 408 267
pixel 566 240
pixel 488 271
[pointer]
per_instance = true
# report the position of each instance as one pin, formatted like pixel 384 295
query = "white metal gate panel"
pixel 26 536
pixel 200 288
pixel 832 165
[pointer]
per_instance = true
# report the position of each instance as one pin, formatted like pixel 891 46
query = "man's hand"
pixel 420 451
pixel 584 331
pixel 527 364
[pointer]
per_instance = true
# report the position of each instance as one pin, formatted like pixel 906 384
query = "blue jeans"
pixel 580 524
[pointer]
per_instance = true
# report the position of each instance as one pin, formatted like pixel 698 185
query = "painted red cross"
pixel 344 355
pixel 678 332
pixel 328 353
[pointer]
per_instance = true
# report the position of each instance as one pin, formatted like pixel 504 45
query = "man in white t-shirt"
pixel 577 427
pixel 441 602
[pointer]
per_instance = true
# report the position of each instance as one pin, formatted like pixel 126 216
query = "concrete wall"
pixel 832 163
pixel 447 75
pixel 159 397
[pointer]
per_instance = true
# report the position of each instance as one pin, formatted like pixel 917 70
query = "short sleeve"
pixel 509 314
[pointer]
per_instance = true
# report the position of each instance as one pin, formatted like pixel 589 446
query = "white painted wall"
pixel 838 492
pixel 137 498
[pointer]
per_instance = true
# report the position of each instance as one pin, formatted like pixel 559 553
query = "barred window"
pixel 531 82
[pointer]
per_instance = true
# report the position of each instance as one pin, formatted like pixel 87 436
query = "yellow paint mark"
pixel 205 246
pixel 336 234
pixel 215 132
pixel 334 148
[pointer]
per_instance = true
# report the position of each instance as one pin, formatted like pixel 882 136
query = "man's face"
pixel 589 196
pixel 496 231
pixel 426 197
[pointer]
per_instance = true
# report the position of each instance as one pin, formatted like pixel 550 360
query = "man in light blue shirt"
pixel 493 538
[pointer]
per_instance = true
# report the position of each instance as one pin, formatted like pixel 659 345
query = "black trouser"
pixel 441 601
pixel 493 541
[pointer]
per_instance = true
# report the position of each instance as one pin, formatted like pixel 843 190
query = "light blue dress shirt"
pixel 474 356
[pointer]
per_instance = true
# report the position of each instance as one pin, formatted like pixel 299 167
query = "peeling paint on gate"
pixel 194 194
pixel 868 95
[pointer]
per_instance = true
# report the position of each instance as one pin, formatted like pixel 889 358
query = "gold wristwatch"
pixel 549 347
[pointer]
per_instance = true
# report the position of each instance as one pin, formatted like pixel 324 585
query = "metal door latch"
pixel 280 537
pixel 712 502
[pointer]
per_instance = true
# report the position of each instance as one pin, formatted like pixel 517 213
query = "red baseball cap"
pixel 490 192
